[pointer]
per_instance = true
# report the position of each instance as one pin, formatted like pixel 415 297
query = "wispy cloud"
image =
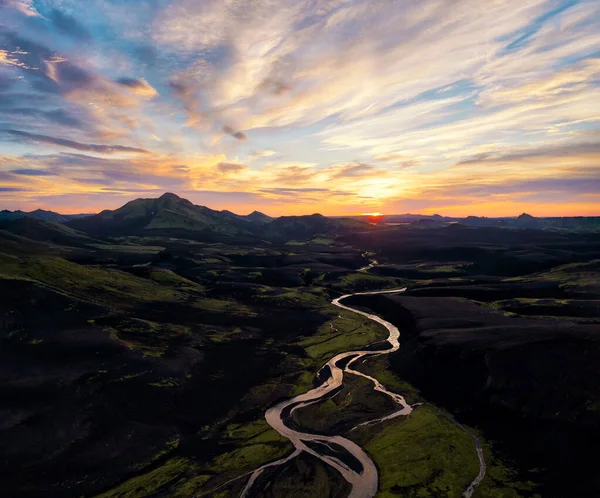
pixel 352 105
pixel 61 142
pixel 138 85
pixel 32 172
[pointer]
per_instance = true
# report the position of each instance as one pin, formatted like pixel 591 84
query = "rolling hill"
pixel 39 214
pixel 171 214
pixel 304 227
pixel 167 213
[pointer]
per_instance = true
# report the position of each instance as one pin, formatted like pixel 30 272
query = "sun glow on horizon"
pixel 285 115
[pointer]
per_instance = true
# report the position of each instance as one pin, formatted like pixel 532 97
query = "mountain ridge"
pixel 39 214
pixel 170 214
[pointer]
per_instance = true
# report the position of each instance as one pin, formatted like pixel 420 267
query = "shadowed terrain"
pixel 140 361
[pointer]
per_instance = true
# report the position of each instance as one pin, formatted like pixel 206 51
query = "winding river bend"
pixel 342 454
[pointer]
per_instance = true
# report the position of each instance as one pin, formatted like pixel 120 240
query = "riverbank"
pixel 517 379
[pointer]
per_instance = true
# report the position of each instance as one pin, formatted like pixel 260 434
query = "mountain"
pixel 258 217
pixel 39 214
pixel 575 223
pixel 171 214
pixel 45 231
pixel 167 213
pixel 527 221
pixel 304 227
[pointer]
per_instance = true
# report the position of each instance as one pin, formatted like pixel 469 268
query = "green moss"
pixel 577 278
pixel 148 337
pixel 441 269
pixel 422 455
pixel 190 487
pixel 169 278
pixel 303 383
pixel 112 288
pixel 220 306
pixel 152 481
pixel 315 298
pixel 257 431
pixel 130 376
pixel 129 249
pixel 169 447
pixel 96 285
pixel 378 367
pixel 169 382
pixel 248 456
pixel 346 332
pixel 365 281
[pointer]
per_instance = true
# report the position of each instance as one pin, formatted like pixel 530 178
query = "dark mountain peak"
pixel 41 212
pixel 38 214
pixel 169 212
pixel 526 216
pixel 169 199
pixel 258 217
pixel 527 221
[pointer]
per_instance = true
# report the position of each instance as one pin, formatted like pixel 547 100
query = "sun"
pixel 372 214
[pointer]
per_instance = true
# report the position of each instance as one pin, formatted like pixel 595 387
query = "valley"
pixel 141 349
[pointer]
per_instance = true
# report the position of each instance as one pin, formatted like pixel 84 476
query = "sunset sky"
pixel 462 107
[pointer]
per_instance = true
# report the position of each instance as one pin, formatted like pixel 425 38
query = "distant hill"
pixel 303 227
pixel 45 231
pixel 258 217
pixel 527 221
pixel 524 221
pixel 170 214
pixel 167 213
pixel 39 214
pixel 575 223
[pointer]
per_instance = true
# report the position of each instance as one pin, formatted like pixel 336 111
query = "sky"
pixel 342 107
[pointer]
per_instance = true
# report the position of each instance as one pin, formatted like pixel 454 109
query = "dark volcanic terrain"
pixel 140 348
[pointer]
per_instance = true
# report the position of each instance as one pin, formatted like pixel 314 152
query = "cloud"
pixel 32 172
pixel 58 116
pixel 235 134
pixel 367 103
pixel 307 60
pixel 103 107
pixel 25 7
pixel 230 167
pixel 12 189
pixel 139 86
pixel 263 153
pixel 96 181
pixel 353 170
pixel 292 191
pixel 70 26
pixel 538 154
pixel 5 83
pixel 61 142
